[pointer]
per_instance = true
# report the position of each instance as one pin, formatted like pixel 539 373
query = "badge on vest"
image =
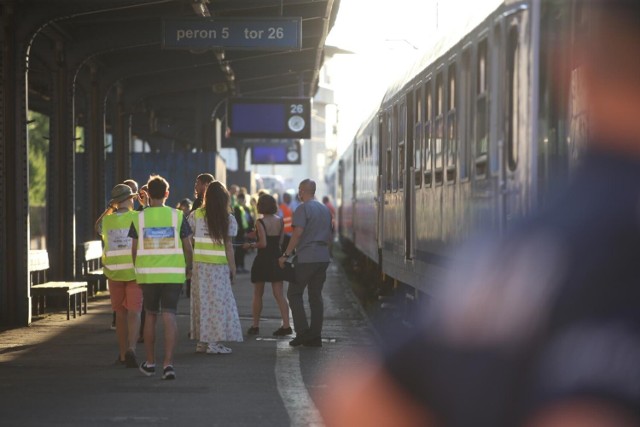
pixel 159 238
pixel 118 239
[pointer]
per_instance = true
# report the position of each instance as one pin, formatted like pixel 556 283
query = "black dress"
pixel 265 265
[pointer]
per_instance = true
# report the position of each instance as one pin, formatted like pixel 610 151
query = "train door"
pixel 517 148
pixel 379 198
pixel 385 175
pixel 406 170
pixel 339 197
pixel 416 171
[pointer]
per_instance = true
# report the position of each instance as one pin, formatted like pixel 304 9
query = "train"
pixel 480 132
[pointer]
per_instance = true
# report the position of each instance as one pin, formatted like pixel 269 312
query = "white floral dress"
pixel 214 313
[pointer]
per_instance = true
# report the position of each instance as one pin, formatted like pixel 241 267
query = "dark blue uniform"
pixel 551 311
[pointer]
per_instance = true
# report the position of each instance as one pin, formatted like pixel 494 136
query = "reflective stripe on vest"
pixel 243 218
pixel 205 250
pixel 287 218
pixel 116 257
pixel 160 258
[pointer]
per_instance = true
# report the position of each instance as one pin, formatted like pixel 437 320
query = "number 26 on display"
pixel 296 108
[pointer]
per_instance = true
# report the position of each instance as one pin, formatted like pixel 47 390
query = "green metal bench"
pixel 41 288
pixel 90 263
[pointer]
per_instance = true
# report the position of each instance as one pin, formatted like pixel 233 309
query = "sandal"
pixel 216 348
pixel 254 330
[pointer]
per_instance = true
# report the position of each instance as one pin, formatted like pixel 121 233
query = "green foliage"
pixel 79 139
pixel 38 151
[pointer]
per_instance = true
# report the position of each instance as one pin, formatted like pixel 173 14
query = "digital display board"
pixel 269 117
pixel 278 154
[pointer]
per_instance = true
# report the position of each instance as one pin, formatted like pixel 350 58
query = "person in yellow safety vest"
pixel 287 216
pixel 162 255
pixel 214 313
pixel 126 296
pixel 240 213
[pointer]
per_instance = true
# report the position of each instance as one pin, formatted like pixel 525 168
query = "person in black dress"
pixel 269 230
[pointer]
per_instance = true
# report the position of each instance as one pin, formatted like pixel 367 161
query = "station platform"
pixel 62 372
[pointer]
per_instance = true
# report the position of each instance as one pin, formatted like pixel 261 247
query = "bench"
pixel 90 262
pixel 41 288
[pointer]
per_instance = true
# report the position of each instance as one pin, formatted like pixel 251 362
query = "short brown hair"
pixel 158 186
pixel 205 178
pixel 267 205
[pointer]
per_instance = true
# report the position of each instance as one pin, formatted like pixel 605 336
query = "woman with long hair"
pixel 214 313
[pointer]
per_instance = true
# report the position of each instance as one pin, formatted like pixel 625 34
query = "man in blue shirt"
pixel 310 239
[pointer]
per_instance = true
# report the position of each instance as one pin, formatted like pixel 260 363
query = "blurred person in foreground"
pixel 540 328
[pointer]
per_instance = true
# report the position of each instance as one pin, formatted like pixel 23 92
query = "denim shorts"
pixel 161 297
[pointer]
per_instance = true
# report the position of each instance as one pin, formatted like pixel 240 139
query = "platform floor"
pixel 62 373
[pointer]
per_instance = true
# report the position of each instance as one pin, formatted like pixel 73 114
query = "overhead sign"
pixel 286 118
pixel 229 33
pixel 276 154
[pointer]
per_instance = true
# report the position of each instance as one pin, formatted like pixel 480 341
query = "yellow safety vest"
pixel 116 257
pixel 160 258
pixel 205 249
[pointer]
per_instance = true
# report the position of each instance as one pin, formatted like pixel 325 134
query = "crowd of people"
pixel 153 252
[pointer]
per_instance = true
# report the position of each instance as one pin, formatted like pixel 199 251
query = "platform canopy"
pixel 121 41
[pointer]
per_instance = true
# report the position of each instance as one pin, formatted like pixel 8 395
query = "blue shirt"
pixel 315 219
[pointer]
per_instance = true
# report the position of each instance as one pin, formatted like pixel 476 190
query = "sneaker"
pixel 168 373
pixel 297 341
pixel 216 348
pixel 254 330
pixel 281 332
pixel 146 369
pixel 201 347
pixel 313 342
pixel 130 359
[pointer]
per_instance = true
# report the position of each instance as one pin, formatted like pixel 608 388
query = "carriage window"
pixel 482 111
pixel 417 138
pixel 438 131
pixel 452 126
pixel 513 105
pixel 402 143
pixel 426 131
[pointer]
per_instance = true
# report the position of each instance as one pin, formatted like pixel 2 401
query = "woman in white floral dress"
pixel 214 313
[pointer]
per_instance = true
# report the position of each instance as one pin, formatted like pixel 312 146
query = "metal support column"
pixel 15 300
pixel 121 138
pixel 95 147
pixel 200 122
pixel 60 189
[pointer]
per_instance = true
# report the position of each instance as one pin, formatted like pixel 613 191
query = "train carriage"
pixel 468 141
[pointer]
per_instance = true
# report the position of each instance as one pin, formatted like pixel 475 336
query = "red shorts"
pixel 125 296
